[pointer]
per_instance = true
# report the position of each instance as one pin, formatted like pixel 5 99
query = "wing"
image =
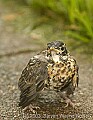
pixel 32 80
pixel 71 76
pixel 75 75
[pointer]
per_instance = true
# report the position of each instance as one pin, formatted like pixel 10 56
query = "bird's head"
pixel 56 49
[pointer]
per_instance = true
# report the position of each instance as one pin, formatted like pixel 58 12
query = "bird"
pixel 54 69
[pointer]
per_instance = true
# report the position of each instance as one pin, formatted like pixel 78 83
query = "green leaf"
pixel 77 36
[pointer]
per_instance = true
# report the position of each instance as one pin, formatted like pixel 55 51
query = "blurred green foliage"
pixel 76 13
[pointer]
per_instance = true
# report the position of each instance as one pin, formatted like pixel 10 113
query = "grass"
pixel 77 13
pixel 44 24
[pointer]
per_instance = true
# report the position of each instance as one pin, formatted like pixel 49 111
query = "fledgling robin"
pixel 53 68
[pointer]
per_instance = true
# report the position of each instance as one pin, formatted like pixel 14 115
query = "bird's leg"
pixel 67 100
pixel 31 108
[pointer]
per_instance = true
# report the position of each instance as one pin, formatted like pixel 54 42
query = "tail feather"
pixel 27 96
pixel 25 101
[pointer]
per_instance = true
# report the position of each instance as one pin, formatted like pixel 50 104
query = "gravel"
pixel 49 101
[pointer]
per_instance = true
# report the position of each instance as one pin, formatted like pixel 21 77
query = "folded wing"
pixel 32 80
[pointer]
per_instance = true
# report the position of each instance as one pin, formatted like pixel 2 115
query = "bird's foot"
pixel 31 108
pixel 69 102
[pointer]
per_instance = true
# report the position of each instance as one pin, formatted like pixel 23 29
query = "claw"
pixel 31 108
pixel 69 102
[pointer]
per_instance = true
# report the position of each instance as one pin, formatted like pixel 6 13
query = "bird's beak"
pixel 53 49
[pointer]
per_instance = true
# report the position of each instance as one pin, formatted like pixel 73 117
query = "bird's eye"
pixel 62 48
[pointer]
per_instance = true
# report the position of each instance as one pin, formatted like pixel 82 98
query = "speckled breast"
pixel 59 74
